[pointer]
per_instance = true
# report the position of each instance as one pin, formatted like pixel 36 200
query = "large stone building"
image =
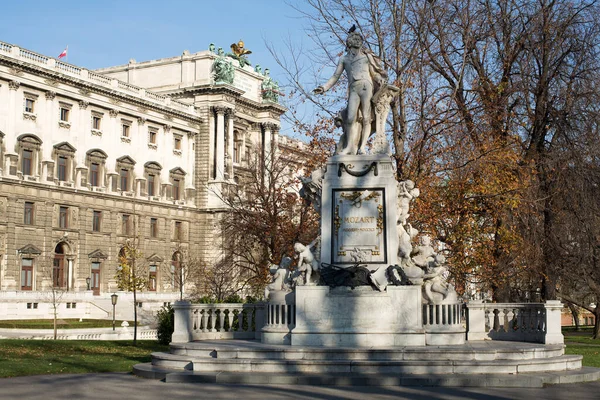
pixel 90 159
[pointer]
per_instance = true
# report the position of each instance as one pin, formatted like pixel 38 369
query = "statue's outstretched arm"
pixel 333 80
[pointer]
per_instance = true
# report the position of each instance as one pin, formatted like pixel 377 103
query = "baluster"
pixel 496 326
pixel 283 315
pixel 240 319
pixel 213 320
pixel 203 320
pixel 226 321
pixel 195 320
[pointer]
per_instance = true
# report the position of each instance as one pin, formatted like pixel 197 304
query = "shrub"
pixel 166 324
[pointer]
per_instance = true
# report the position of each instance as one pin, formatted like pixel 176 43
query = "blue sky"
pixel 108 32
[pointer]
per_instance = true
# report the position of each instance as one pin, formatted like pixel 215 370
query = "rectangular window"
pixel 125 224
pixel 62 168
pixel 178 232
pixel 97 221
pixel 176 194
pixel 152 137
pixel 152 278
pixel 94 174
pixel 125 130
pixel 236 152
pixel 63 217
pixel 177 143
pixel 29 105
pixel 28 214
pixel 124 179
pixel 26 274
pixel 96 122
pixel 151 185
pixel 64 114
pixel 27 162
pixel 153 227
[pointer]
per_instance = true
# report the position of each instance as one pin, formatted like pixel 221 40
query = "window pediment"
pixel 29 250
pixel 155 258
pixel 29 140
pixel 177 171
pixel 64 147
pixel 126 160
pixel 98 254
pixel 153 165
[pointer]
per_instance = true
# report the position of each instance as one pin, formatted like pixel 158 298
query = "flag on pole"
pixel 64 52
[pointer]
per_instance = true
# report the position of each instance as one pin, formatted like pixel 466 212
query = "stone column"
pixel 183 322
pixel 553 324
pixel 13 112
pixel 476 320
pixel 220 161
pixel 50 119
pixel 230 113
pixel 211 145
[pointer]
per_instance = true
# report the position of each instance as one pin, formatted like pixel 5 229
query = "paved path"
pixel 126 386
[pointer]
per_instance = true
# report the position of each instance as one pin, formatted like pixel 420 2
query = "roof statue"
pixel 369 98
pixel 240 53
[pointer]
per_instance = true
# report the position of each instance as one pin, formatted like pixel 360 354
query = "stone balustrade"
pixel 217 321
pixel 523 322
pixel 8 50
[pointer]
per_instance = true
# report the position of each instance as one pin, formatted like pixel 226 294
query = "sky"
pixel 109 32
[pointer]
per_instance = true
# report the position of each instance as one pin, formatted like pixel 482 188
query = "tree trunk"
pixel 596 333
pixel 575 314
pixel 134 317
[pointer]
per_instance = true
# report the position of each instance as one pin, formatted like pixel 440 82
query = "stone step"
pixel 560 363
pixel 478 351
pixel 171 361
pixel 525 380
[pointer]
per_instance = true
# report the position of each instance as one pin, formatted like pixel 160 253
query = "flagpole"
pixel 67 56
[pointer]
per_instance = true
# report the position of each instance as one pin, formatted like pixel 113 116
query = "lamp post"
pixel 113 299
pixel 88 280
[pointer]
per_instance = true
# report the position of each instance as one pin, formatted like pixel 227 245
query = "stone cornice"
pixel 85 85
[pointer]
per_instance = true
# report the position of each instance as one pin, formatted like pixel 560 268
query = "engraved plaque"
pixel 358 226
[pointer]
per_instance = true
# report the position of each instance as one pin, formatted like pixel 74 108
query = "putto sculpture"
pixel 369 96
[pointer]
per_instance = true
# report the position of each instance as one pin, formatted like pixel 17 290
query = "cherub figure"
pixel 280 277
pixel 435 287
pixel 406 193
pixel 307 263
pixel 424 254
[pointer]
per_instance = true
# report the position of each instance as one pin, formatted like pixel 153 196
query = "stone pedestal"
pixel 362 317
pixel 358 216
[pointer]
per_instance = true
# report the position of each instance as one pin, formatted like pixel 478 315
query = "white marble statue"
pixel 435 287
pixel 407 192
pixel 424 253
pixel 280 277
pixel 369 96
pixel 307 264
pixel 312 188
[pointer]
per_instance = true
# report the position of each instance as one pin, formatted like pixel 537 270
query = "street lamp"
pixel 113 299
pixel 88 280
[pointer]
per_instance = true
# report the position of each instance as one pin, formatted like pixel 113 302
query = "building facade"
pixel 91 159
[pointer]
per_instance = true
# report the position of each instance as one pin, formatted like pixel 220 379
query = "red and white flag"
pixel 64 52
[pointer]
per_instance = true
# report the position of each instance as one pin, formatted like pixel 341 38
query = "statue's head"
pixel 299 247
pixel 354 40
pixel 425 240
pixel 409 184
pixel 220 51
pixel 267 72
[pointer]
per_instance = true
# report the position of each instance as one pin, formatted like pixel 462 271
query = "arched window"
pixel 125 166
pixel 96 162
pixel 63 159
pixel 152 171
pixel 177 177
pixel 60 273
pixel 29 146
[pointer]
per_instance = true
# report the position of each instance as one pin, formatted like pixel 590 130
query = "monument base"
pixel 360 317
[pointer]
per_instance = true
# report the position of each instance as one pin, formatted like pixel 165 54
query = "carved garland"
pixel 358 174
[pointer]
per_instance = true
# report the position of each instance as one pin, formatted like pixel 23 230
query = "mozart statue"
pixel 366 82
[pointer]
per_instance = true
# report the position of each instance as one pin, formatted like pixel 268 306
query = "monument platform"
pixel 481 363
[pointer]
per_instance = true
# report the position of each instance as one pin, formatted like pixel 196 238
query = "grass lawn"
pixel 36 357
pixel 61 324
pixel 581 342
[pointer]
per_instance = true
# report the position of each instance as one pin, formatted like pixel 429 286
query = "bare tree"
pixel 55 288
pixel 132 274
